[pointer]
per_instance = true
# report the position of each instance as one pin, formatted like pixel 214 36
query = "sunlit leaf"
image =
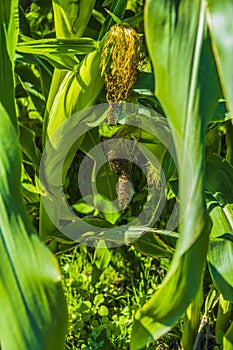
pixel 8 35
pixel 34 306
pixel 31 296
pixel 219 186
pixel 220 23
pixel 177 38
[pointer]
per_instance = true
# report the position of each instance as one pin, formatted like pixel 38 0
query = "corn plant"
pixel 190 55
pixel 34 305
pixel 174 65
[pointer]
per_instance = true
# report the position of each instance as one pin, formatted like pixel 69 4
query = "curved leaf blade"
pixel 31 297
pixel 8 35
pixel 180 50
pixel 219 184
pixel 34 315
pixel 221 29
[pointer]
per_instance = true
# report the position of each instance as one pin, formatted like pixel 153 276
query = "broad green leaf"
pixel 229 141
pixel 79 46
pixel 70 22
pixel 220 113
pixel 168 165
pixel 73 94
pixel 107 2
pixel 134 20
pixel 106 179
pixel 213 141
pixel 9 26
pixel 228 338
pixel 76 92
pixel 219 186
pixel 33 306
pixel 219 15
pixel 192 321
pixel 24 26
pixel 31 84
pixel 152 245
pixel 29 191
pixel 145 83
pixel 32 301
pixel 99 17
pixel 83 207
pixel 117 8
pixel 223 318
pixel 8 35
pixel 28 58
pixel 71 18
pixel 59 52
pixel 102 258
pixel 116 19
pixel 43 4
pixel 178 43
pixel 28 145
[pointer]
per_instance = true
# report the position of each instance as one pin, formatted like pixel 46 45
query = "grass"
pixel 101 315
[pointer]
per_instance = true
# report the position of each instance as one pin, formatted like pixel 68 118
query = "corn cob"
pixel 121 59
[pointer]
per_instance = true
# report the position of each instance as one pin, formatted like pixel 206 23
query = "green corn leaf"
pixel 28 58
pixel 228 338
pixel 31 297
pixel 219 186
pixel 61 62
pixel 42 47
pixel 229 140
pixel 28 145
pixel 145 83
pixel 178 44
pixel 32 302
pixel 107 2
pixel 118 8
pixel 31 84
pixel 71 18
pixel 219 15
pixel 134 20
pixel 192 321
pixel 116 19
pixel 29 191
pixel 77 91
pixel 102 259
pixel 223 318
pixel 152 245
pixel 59 52
pixel 104 180
pixel 8 35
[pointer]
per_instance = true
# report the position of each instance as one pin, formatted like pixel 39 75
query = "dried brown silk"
pixel 122 57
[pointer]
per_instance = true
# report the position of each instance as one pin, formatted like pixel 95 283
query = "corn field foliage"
pixel 170 57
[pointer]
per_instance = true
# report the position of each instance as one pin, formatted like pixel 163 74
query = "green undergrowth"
pixel 101 313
